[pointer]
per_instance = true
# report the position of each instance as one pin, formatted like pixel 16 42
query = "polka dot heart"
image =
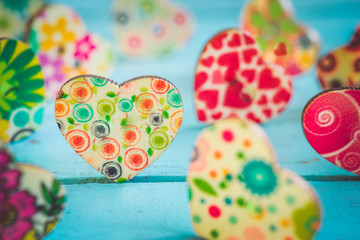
pixel 238 192
pixel 65 48
pixel 283 41
pixel 151 28
pixel 232 79
pixel 21 91
pixel 341 67
pixel 31 200
pixel 119 129
pixel 331 123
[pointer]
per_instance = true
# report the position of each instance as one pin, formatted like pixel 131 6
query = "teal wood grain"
pixel 160 211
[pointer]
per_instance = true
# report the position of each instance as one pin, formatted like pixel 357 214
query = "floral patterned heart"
pixel 331 123
pixel 21 91
pixel 237 191
pixel 31 200
pixel 233 80
pixel 119 129
pixel 65 48
pixel 272 23
pixel 150 28
pixel 341 67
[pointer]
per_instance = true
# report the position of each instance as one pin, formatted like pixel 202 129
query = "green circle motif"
pixel 125 105
pixel 83 112
pixel 105 107
pixel 98 82
pixel 158 140
pixel 174 99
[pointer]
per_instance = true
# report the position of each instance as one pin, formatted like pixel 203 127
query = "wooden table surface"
pixel 154 204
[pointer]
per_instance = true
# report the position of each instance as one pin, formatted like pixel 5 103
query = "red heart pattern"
pixel 232 79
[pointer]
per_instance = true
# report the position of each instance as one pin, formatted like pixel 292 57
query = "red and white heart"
pixel 232 79
pixel 65 48
pixel 119 129
pixel 331 123
pixel 237 191
pixel 31 200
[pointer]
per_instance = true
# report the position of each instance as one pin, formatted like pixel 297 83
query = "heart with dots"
pixel 232 79
pixel 119 129
pixel 32 201
pixel 65 47
pixel 341 66
pixel 237 190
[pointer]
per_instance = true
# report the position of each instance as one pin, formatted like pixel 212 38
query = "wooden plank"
pixel 160 211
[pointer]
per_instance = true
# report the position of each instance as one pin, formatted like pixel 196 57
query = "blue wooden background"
pixel 154 205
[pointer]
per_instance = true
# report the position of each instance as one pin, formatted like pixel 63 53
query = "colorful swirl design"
pixel 125 105
pixel 146 103
pixel 130 135
pixel 351 162
pixel 62 108
pixel 78 140
pixel 159 140
pixel 100 129
pixel 105 107
pixel 99 82
pixel 81 91
pixel 83 112
pixel 136 159
pixel 176 120
pixel 108 148
pixel 159 86
pixel 111 170
pixel 174 99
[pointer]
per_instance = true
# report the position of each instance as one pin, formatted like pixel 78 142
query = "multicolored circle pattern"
pixel 118 129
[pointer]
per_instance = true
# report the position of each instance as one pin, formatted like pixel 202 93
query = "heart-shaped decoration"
pixel 31 200
pixel 341 67
pixel 119 129
pixel 331 123
pixel 271 23
pixel 232 79
pixel 15 15
pixel 237 191
pixel 65 48
pixel 151 28
pixel 21 91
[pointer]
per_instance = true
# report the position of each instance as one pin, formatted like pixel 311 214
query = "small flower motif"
pixel 15 215
pixel 9 178
pixel 52 69
pixel 56 35
pixel 83 48
pixel 259 177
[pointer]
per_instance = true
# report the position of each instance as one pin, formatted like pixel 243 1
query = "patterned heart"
pixel 31 200
pixel 271 23
pixel 331 123
pixel 237 191
pixel 232 80
pixel 151 28
pixel 65 48
pixel 341 67
pixel 119 129
pixel 21 91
